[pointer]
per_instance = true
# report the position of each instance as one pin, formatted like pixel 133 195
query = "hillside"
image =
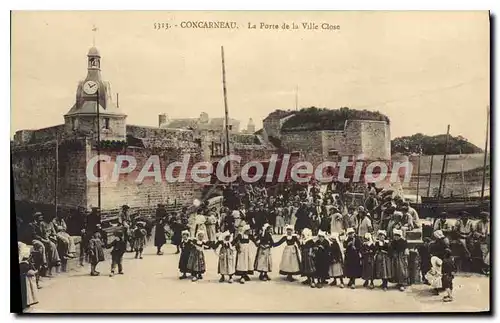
pixel 432 145
pixel 310 119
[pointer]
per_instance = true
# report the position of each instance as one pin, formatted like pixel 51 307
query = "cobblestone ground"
pixel 152 285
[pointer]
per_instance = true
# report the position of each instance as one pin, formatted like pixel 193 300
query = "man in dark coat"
pixel 160 220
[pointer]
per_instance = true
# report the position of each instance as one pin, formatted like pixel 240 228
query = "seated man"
pixel 441 223
pixel 463 230
pixel 66 243
pixel 44 232
pixel 482 230
pixel 412 215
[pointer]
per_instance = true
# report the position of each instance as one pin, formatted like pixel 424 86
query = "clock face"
pixel 90 87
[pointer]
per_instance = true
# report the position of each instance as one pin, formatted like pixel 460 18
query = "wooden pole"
pixel 466 193
pixel 226 111
pixel 430 177
pixel 444 163
pixel 485 151
pixel 56 180
pixel 297 98
pixel 418 175
pixel 98 153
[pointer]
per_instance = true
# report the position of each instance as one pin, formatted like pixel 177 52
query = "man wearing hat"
pixel 124 215
pixel 35 232
pixel 441 223
pixel 44 232
pixel 464 228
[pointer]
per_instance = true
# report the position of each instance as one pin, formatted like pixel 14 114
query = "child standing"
pixel 139 239
pixel 119 247
pixel 185 247
pixel 399 252
pixel 95 252
pixel 196 262
pixel 226 256
pixel 263 260
pixel 383 269
pixel 307 252
pixel 434 275
pixel 425 258
pixel 243 257
pixel 335 271
pixel 280 219
pixel 448 271
pixel 322 258
pixel 290 261
pixel 368 260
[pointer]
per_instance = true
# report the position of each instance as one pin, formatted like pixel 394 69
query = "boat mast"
pixel 430 177
pixel 225 110
pixel 418 172
pixel 485 151
pixel 444 163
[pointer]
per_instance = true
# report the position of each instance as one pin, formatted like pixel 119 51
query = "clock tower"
pixel 94 93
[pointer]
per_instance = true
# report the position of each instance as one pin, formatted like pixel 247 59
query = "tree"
pixel 433 145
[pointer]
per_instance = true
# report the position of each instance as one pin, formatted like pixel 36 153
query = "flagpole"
pixel 225 109
pixel 98 152
pixel 485 151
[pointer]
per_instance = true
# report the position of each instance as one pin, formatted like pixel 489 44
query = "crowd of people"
pixel 329 238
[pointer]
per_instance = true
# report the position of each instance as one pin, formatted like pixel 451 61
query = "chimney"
pixel 117 100
pixel 162 119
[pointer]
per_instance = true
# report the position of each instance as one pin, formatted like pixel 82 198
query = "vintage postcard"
pixel 251 162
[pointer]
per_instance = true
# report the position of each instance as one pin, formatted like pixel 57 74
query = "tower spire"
pixel 94 30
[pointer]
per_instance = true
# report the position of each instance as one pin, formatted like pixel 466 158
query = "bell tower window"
pixel 94 62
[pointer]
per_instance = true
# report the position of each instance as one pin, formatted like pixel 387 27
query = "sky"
pixel 424 70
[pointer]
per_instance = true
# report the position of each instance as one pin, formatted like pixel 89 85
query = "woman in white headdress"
pixel 185 246
pixel 352 261
pixel 398 250
pixel 290 260
pixel 322 258
pixel 337 261
pixel 227 255
pixel 263 259
pixel 244 266
pixel 29 289
pixel 383 266
pixel 308 267
pixel 368 260
pixel 196 262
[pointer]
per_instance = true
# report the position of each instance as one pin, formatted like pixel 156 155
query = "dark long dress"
pixel 308 267
pixel 352 260
pixel 96 252
pixel 399 261
pixel 322 258
pixel 160 238
pixel 263 258
pixel 185 247
pixel 196 261
pixel 368 261
pixel 383 266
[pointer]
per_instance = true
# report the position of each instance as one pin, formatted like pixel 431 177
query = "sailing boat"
pixel 454 204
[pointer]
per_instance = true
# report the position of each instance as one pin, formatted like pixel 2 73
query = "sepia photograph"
pixel 251 161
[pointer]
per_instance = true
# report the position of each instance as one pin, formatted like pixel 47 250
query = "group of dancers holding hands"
pixel 317 258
